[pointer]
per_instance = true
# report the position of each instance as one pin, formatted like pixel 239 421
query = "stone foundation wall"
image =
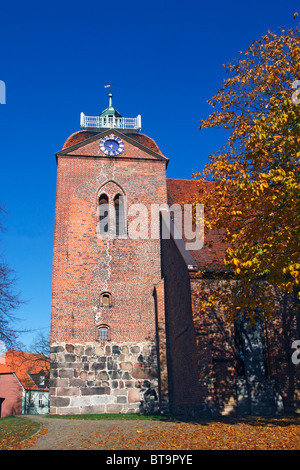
pixel 103 378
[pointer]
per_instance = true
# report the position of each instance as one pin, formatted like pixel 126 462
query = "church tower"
pixel 107 318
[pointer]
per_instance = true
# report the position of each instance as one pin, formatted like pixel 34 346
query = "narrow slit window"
pixel 105 299
pixel 119 214
pixel 103 214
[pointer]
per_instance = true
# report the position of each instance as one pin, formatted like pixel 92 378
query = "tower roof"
pixel 110 111
pixel 82 135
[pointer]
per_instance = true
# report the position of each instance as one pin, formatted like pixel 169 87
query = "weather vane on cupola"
pixel 110 118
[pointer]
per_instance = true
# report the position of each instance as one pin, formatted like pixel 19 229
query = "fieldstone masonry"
pixel 103 378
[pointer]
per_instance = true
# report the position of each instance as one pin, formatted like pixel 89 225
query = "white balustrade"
pixel 96 122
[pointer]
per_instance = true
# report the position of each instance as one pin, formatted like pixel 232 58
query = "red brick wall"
pixel 181 340
pixel 217 365
pixel 280 332
pixel 84 265
pixel 10 395
pixel 215 351
pixel 162 345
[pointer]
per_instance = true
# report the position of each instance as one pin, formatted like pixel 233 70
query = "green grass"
pixel 14 429
pixel 115 416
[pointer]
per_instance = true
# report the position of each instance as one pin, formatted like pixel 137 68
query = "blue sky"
pixel 164 59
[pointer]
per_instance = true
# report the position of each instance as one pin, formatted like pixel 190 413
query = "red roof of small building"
pixel 25 366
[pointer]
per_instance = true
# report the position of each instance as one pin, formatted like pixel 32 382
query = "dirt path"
pixel 69 434
pixel 277 433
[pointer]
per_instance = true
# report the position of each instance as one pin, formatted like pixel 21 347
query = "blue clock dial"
pixel 111 145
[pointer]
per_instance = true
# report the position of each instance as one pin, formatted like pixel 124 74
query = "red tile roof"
pixel 24 365
pixel 210 257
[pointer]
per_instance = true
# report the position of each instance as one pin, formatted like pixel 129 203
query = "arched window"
pixel 119 214
pixel 104 333
pixel 105 299
pixel 103 214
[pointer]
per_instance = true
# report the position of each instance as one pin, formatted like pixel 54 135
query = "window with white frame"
pixel 104 333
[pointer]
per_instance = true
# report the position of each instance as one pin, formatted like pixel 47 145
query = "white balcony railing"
pixel 96 122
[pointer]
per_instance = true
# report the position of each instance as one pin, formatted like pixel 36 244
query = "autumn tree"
pixel 255 198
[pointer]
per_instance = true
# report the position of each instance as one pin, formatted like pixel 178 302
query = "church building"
pixel 126 332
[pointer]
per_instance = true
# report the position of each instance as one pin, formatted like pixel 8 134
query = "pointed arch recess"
pixel 115 210
pixel 108 188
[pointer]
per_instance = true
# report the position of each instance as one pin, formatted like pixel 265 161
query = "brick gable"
pixel 136 146
pixel 82 135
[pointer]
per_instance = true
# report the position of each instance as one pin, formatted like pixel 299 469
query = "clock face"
pixel 111 145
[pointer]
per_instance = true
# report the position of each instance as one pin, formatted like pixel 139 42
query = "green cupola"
pixel 110 111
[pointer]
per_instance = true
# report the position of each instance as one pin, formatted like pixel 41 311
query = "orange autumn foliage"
pixel 256 196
